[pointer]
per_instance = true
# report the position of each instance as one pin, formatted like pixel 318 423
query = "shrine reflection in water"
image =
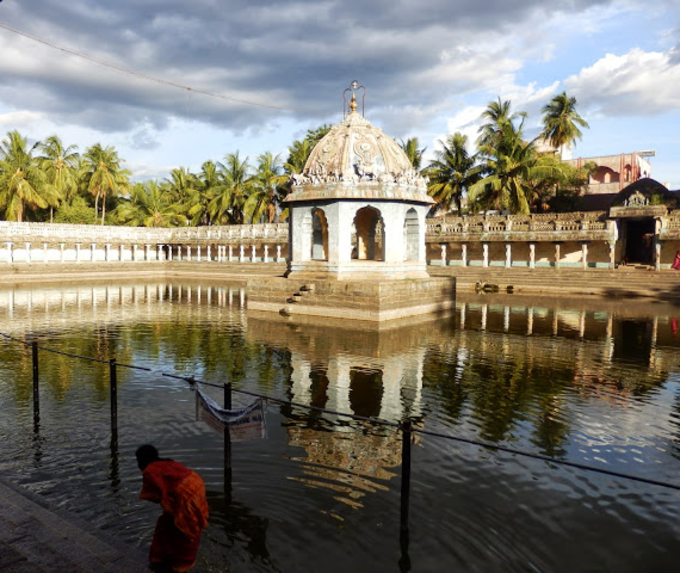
pixel 588 381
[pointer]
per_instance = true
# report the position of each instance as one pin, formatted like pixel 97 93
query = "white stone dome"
pixel 356 160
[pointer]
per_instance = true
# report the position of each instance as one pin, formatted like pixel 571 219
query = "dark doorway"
pixel 640 241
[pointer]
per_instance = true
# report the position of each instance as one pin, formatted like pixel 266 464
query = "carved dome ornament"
pixel 356 160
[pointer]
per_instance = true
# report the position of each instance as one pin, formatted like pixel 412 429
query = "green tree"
pixel 268 190
pixel 499 120
pixel 452 173
pixel 561 122
pixel 149 206
pixel 185 189
pixel 22 182
pixel 413 152
pixel 75 212
pixel 513 170
pixel 105 177
pixel 228 203
pixel 60 166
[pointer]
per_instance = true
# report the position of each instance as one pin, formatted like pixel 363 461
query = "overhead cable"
pixel 143 75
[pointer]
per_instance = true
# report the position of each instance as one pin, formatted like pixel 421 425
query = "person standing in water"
pixel 181 494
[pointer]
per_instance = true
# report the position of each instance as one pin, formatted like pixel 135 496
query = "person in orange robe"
pixel 181 493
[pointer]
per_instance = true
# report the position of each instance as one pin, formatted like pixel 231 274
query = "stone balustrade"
pixel 555 239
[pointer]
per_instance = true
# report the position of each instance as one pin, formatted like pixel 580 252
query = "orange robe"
pixel 181 493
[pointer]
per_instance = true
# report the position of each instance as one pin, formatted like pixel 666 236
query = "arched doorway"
pixel 370 234
pixel 411 235
pixel 319 235
pixel 638 235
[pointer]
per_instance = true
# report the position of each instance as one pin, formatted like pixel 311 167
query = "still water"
pixel 592 382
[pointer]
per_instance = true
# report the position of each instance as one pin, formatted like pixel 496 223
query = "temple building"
pixel 358 208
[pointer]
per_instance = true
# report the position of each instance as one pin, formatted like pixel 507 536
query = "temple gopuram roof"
pixel 356 160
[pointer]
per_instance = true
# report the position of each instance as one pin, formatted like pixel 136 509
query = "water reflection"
pixel 588 381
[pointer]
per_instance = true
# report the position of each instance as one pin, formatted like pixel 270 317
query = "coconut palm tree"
pixel 184 187
pixel 452 173
pixel 298 153
pixel 561 122
pixel 413 152
pixel 209 184
pixel 105 177
pixel 499 120
pixel 513 171
pixel 149 206
pixel 22 182
pixel 268 191
pixel 60 166
pixel 237 184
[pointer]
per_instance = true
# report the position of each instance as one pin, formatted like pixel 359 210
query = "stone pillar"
pixel 443 255
pixel 266 253
pixel 532 255
pixel 557 255
pixel 252 254
pixel 44 252
pixel 584 256
pixel 241 256
pixel 77 252
pixel 159 252
pixel 107 250
pixel 134 252
pixel 231 252
pixel 612 255
pixel 657 255
pixel 10 252
pixel 61 252
pixel 209 255
pixel 463 254
pixel 188 252
pixel 508 255
pixel 179 252
pixel 146 252
pixel 121 252
pixel 28 252
pixel 93 246
pixel 485 255
pixel 278 253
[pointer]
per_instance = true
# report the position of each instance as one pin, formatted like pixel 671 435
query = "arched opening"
pixel 319 236
pixel 604 175
pixel 411 234
pixel 369 234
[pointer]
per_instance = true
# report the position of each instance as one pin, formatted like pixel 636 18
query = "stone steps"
pixel 624 281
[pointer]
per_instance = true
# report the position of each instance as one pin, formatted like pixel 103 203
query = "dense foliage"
pixel 53 182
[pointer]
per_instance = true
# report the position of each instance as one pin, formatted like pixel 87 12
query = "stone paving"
pixel 37 539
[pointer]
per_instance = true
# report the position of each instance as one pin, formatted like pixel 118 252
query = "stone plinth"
pixel 374 301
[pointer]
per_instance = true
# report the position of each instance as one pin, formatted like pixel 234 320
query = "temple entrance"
pixel 319 236
pixel 639 240
pixel 369 234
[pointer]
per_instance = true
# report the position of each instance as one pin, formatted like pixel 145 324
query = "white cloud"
pixel 20 119
pixel 637 83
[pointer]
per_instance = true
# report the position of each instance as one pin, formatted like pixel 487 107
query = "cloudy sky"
pixel 173 84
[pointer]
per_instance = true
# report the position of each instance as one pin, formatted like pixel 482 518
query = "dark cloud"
pixel 292 54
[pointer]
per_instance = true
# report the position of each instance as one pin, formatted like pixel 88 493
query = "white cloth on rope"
pixel 247 423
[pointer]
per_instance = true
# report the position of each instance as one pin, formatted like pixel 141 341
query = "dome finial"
pixel 352 107
pixel 353 104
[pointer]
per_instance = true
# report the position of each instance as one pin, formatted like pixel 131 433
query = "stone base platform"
pixel 372 301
